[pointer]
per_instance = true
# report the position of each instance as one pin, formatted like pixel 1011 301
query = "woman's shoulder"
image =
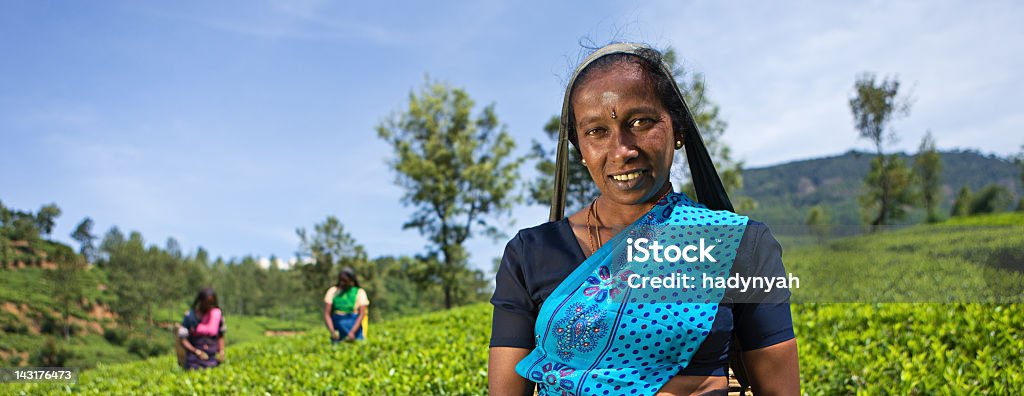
pixel 756 227
pixel 544 240
pixel 758 252
pixel 330 294
pixel 543 232
pixel 755 231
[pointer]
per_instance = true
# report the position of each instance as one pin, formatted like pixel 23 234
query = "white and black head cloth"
pixel 706 182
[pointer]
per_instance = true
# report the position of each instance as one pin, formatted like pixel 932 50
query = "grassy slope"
pixel 437 353
pixel 860 348
pixel 27 291
pixel 28 288
pixel 979 259
pixel 914 348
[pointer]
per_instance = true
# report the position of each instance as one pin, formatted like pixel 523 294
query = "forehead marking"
pixel 609 97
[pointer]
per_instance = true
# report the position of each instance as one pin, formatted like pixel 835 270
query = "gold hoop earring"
pixel 679 144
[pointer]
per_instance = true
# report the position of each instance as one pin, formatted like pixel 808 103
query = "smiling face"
pixel 624 133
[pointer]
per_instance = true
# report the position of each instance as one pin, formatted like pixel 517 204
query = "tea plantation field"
pixel 433 354
pixel 862 348
pixel 911 349
pixel 976 259
pixel 844 349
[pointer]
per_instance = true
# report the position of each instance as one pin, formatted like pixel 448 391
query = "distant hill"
pixel 786 192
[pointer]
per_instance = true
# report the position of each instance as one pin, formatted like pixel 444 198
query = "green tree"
pixel 712 127
pixel 962 204
pixel 66 282
pixel 331 248
pixel 124 261
pixel 875 105
pixel 18 225
pixel 819 223
pixel 46 218
pixel 245 288
pixel 457 171
pixel 24 227
pixel 328 238
pixel 7 251
pixel 991 199
pixel 410 287
pixel 85 238
pixel 580 188
pixel 195 272
pixel 889 190
pixel 51 354
pixel 282 286
pixel 928 169
pixel 1019 160
pixel 167 275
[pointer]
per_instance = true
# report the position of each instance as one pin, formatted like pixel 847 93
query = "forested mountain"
pixel 786 192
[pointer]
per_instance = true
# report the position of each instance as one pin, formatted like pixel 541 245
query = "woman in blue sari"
pixel 574 313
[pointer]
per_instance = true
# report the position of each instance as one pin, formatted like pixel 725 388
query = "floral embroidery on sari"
pixel 596 334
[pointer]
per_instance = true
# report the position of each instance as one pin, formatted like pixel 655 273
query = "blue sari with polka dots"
pixel 598 333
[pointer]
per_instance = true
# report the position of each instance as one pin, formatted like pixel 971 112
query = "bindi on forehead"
pixel 609 88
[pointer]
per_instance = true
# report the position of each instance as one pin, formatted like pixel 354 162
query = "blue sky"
pixel 229 124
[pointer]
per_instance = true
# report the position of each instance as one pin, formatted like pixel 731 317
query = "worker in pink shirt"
pixel 202 332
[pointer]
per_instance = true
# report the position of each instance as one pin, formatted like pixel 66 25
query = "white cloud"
pixel 783 72
pixel 264 262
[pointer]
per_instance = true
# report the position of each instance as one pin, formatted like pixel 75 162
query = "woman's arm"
pixel 359 323
pixel 512 323
pixel 187 345
pixel 183 339
pixel 193 350
pixel 502 379
pixel 220 349
pixel 327 319
pixel 774 370
pixel 765 327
